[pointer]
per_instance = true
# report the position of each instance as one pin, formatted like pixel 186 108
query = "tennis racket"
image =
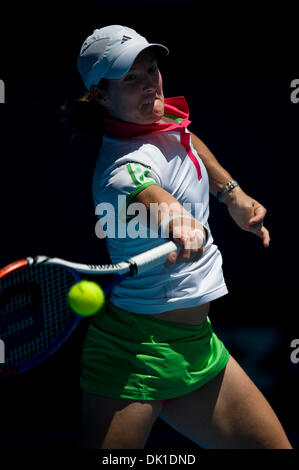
pixel 35 317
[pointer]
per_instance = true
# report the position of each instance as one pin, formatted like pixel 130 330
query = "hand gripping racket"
pixel 35 317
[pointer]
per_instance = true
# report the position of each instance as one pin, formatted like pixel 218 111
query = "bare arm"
pixel 245 211
pixel 218 176
pixel 179 224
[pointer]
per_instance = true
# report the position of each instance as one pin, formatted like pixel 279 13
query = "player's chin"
pixel 152 112
pixel 158 108
pixel 153 116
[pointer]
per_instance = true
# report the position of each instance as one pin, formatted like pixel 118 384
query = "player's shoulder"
pixel 125 163
pixel 118 153
pixel 139 146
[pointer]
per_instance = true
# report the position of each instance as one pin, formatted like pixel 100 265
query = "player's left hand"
pixel 247 213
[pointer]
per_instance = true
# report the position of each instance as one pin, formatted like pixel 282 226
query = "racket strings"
pixel 33 310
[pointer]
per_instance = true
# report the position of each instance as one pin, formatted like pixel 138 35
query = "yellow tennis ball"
pixel 86 298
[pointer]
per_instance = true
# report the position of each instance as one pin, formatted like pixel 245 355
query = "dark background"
pixel 234 64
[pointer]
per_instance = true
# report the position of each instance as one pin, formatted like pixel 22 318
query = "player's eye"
pixel 153 69
pixel 130 78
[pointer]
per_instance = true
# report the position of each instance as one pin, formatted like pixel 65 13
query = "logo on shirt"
pixel 125 38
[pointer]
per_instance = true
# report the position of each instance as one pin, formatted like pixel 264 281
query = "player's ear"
pixel 99 95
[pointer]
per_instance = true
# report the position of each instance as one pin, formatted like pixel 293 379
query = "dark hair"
pixel 82 117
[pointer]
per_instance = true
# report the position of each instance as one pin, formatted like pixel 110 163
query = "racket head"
pixel 35 317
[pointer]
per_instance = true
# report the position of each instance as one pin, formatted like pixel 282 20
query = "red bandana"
pixel 177 107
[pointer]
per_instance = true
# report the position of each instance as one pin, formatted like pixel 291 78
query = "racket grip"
pixel 154 257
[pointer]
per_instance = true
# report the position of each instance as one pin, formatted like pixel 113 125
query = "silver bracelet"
pixel 226 189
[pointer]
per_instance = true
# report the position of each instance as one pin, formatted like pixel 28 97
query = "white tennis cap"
pixel 109 52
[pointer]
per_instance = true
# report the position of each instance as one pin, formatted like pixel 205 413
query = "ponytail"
pixel 83 117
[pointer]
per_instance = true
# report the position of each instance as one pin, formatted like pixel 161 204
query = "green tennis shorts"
pixel 139 357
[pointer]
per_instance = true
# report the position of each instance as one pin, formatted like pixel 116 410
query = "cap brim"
pixel 124 62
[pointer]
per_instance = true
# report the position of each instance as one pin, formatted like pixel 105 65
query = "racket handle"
pixel 152 258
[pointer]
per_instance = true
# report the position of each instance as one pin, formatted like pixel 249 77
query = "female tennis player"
pixel 152 351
